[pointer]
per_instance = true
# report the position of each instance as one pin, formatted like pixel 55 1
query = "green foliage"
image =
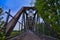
pixel 2 33
pixel 41 28
pixel 1 10
pixel 1 17
pixel 16 32
pixel 47 9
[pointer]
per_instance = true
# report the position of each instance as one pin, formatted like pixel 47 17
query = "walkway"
pixel 31 36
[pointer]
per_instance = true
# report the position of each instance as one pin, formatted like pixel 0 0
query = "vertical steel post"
pixel 24 21
pixel 19 26
pixel 7 18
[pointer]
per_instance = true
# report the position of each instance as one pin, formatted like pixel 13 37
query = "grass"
pixel 16 32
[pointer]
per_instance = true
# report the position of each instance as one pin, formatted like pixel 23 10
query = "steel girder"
pixel 11 24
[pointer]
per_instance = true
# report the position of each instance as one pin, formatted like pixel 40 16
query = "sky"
pixel 14 5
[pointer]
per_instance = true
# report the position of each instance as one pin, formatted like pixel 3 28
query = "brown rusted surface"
pixel 28 36
pixel 32 36
pixel 13 22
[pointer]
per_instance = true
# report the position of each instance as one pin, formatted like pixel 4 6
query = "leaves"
pixel 47 9
pixel 2 33
pixel 1 10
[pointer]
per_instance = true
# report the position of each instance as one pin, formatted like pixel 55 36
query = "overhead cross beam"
pixel 11 24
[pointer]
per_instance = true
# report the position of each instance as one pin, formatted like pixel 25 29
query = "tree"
pixel 49 11
pixel 1 17
pixel 2 34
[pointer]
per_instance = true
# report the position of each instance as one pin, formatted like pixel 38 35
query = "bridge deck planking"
pixel 31 36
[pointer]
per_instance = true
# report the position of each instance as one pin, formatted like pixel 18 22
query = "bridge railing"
pixel 19 27
pixel 41 30
pixel 17 30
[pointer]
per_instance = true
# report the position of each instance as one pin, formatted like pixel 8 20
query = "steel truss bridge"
pixel 29 25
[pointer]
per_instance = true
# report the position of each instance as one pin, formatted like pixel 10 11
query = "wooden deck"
pixel 31 36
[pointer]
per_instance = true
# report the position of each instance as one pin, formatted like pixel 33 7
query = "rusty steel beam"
pixel 13 22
